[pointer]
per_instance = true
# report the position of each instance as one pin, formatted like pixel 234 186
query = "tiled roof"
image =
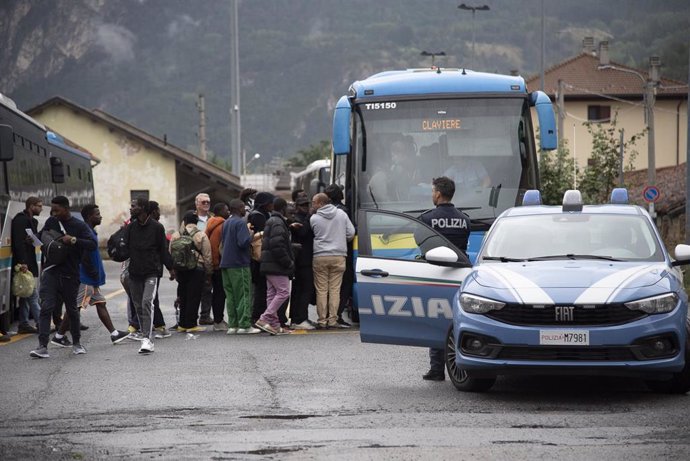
pixel 207 169
pixel 584 78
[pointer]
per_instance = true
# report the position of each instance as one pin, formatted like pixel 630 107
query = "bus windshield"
pixel 484 144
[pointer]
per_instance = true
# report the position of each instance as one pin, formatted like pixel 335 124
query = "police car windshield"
pixel 615 237
pixel 402 145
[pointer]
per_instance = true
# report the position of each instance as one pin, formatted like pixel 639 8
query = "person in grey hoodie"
pixel 332 230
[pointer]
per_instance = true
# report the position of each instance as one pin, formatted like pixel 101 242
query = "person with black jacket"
pixel 263 205
pixel 60 281
pixel 454 225
pixel 24 256
pixel 303 292
pixel 278 265
pixel 148 253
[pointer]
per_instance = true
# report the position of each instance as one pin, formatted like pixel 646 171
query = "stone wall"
pixel 670 208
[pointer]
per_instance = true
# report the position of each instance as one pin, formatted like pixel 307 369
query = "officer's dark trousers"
pixel 53 290
pixel 437 359
pixel 302 294
pixel 218 300
pixel 190 285
pixel 259 293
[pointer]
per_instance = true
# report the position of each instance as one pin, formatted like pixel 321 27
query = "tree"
pixel 556 170
pixel 312 153
pixel 601 174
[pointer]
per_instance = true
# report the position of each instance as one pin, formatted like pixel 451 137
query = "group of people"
pixel 252 258
pixel 266 263
pixel 71 274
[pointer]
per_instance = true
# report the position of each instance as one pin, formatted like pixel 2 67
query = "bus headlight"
pixel 478 305
pixel 655 304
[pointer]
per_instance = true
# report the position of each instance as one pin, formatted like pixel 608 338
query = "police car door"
pixel 402 297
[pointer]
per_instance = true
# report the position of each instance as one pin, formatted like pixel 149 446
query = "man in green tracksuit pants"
pixel 234 265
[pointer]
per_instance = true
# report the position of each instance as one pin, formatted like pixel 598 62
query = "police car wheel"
pixel 680 382
pixel 459 377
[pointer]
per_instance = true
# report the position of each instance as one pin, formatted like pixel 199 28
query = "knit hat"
pixel 263 199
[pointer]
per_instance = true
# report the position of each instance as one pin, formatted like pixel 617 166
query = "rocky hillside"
pixel 146 61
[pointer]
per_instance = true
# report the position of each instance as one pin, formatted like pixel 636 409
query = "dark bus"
pixel 33 162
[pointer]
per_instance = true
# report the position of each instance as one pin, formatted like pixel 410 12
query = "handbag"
pixel 256 246
pixel 23 283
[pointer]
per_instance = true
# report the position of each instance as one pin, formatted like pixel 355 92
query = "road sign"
pixel 651 194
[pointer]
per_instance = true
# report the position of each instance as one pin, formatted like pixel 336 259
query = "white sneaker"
pixel 232 331
pixel 248 331
pixel 222 326
pixel 306 325
pixel 146 346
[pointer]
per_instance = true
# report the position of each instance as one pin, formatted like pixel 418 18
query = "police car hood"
pixel 568 274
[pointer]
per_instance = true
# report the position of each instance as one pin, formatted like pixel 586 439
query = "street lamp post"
pixel 473 9
pixel 433 55
pixel 246 164
pixel 649 90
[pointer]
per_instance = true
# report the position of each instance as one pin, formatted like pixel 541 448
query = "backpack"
pixel 117 246
pixel 184 252
pixel 54 251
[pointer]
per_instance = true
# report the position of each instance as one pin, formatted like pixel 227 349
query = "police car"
pixel 569 289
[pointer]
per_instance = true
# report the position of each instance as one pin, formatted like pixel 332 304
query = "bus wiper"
pixel 372 197
pixel 503 259
pixel 573 256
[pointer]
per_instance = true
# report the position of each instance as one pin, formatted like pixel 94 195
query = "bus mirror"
pixel 547 120
pixel 341 127
pixel 6 143
pixel 315 187
pixel 57 170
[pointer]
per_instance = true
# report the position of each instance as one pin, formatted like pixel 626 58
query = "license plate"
pixel 564 337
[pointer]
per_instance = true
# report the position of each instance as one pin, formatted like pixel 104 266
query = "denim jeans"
pixel 31 306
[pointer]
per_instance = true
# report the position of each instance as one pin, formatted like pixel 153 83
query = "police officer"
pixel 455 226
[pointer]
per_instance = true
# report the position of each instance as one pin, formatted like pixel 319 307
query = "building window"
pixel 135 194
pixel 69 172
pixel 599 114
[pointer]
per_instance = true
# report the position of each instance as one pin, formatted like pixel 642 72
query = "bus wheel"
pixel 459 377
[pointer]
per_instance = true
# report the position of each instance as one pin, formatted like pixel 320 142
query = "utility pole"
pixel 202 127
pixel 235 125
pixel 560 104
pixel 541 72
pixel 650 97
pixel 687 160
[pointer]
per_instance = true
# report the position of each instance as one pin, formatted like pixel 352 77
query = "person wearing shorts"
pixel 91 277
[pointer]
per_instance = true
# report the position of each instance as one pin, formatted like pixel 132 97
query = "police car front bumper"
pixel 649 347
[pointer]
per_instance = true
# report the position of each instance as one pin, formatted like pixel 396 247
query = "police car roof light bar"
pixel 572 200
pixel 619 196
pixel 531 197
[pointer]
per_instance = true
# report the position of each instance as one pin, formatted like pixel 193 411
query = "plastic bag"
pixel 23 283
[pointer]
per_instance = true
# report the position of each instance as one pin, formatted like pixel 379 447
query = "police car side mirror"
pixel 444 256
pixel 682 253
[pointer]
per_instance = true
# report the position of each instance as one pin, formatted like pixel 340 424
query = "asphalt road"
pixel 321 395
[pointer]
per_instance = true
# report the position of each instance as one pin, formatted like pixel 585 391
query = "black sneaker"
pixel 433 375
pixel 83 327
pixel 62 342
pixel 25 328
pixel 5 338
pixel 119 337
pixel 343 324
